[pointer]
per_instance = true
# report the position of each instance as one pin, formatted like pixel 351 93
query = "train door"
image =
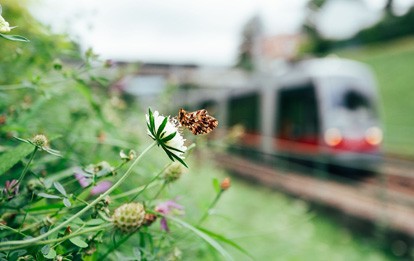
pixel 297 120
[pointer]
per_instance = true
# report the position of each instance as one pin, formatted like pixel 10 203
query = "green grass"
pixel 267 223
pixel 393 65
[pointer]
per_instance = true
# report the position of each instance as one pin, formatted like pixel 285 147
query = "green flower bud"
pixel 173 172
pixel 40 140
pixel 129 217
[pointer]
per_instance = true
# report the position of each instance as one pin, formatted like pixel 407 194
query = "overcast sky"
pixel 188 31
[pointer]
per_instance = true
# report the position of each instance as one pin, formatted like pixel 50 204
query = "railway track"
pixel 386 198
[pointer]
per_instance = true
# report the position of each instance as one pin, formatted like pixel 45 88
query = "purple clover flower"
pixel 85 181
pixel 11 188
pixel 167 208
pixel 101 187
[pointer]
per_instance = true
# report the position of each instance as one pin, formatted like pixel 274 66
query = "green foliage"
pixel 26 61
pixel 15 38
pixel 13 156
pixel 389 28
pixel 57 207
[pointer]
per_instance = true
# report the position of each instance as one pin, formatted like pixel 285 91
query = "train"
pixel 321 110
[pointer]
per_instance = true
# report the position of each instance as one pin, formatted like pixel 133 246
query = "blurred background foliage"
pixel 23 61
pixel 389 28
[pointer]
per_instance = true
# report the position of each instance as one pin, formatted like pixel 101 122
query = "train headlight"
pixel 373 135
pixel 333 136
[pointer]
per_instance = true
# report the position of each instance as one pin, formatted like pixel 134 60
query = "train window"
pixel 244 110
pixel 297 114
pixel 354 100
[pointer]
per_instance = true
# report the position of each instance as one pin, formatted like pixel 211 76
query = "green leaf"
pixel 216 185
pixel 51 254
pixel 52 151
pixel 204 236
pixel 172 148
pixel 78 242
pixel 16 254
pixel 151 121
pixel 225 240
pixel 60 188
pixel 45 195
pixel 45 207
pixel 13 156
pixel 95 222
pixel 169 137
pixel 179 159
pixel 45 249
pixel 67 202
pixel 162 127
pixel 16 38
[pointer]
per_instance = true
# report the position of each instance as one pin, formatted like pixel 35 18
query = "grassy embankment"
pixel 266 223
pixel 393 65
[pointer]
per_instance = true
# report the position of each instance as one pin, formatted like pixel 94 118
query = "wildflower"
pixel 129 217
pixel 40 141
pixel 163 130
pixel 4 25
pixel 101 187
pixel 87 176
pixel 131 155
pixel 82 179
pixel 173 172
pixel 225 184
pixel 167 208
pixel 11 189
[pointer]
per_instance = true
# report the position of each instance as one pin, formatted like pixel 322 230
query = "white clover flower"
pixel 165 132
pixel 4 25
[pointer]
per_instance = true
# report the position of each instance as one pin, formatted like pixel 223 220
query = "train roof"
pixel 326 67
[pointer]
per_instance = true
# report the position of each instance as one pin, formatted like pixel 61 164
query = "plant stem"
pixel 164 184
pixel 152 180
pixel 61 239
pixel 82 211
pixel 206 214
pixel 26 168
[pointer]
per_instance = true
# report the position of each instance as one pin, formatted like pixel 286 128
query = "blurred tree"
pixel 251 31
pixel 389 7
pixel 388 28
pixel 316 44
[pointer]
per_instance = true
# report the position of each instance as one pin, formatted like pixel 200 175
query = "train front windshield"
pixel 350 108
pixel 350 114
